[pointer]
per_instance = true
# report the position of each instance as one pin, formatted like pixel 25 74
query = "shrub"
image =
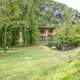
pixel 67 36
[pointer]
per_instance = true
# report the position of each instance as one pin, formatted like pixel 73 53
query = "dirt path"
pixel 67 56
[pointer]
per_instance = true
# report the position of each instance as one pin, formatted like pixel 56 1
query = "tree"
pixel 19 16
pixel 30 16
pixel 3 27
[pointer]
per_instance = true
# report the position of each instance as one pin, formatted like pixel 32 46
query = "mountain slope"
pixel 53 13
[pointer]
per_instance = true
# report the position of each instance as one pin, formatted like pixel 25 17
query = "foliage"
pixel 26 16
pixel 67 35
pixel 15 17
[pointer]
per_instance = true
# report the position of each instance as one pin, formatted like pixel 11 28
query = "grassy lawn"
pixel 40 63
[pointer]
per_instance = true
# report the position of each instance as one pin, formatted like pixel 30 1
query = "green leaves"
pixel 68 35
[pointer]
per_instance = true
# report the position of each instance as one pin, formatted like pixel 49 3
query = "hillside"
pixel 53 13
pixel 49 13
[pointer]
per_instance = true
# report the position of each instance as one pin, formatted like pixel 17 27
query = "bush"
pixel 67 36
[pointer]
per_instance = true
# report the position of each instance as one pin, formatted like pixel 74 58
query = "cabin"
pixel 46 35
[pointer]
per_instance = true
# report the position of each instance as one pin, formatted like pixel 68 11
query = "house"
pixel 46 34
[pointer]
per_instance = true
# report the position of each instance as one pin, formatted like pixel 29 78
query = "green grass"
pixel 40 63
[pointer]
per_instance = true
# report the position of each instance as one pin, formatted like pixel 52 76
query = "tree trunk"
pixel 25 43
pixel 5 39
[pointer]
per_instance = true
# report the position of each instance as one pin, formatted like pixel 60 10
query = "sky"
pixel 71 3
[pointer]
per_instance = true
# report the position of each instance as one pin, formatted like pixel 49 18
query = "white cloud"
pixel 71 3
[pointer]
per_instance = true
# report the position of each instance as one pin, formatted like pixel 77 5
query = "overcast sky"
pixel 71 3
